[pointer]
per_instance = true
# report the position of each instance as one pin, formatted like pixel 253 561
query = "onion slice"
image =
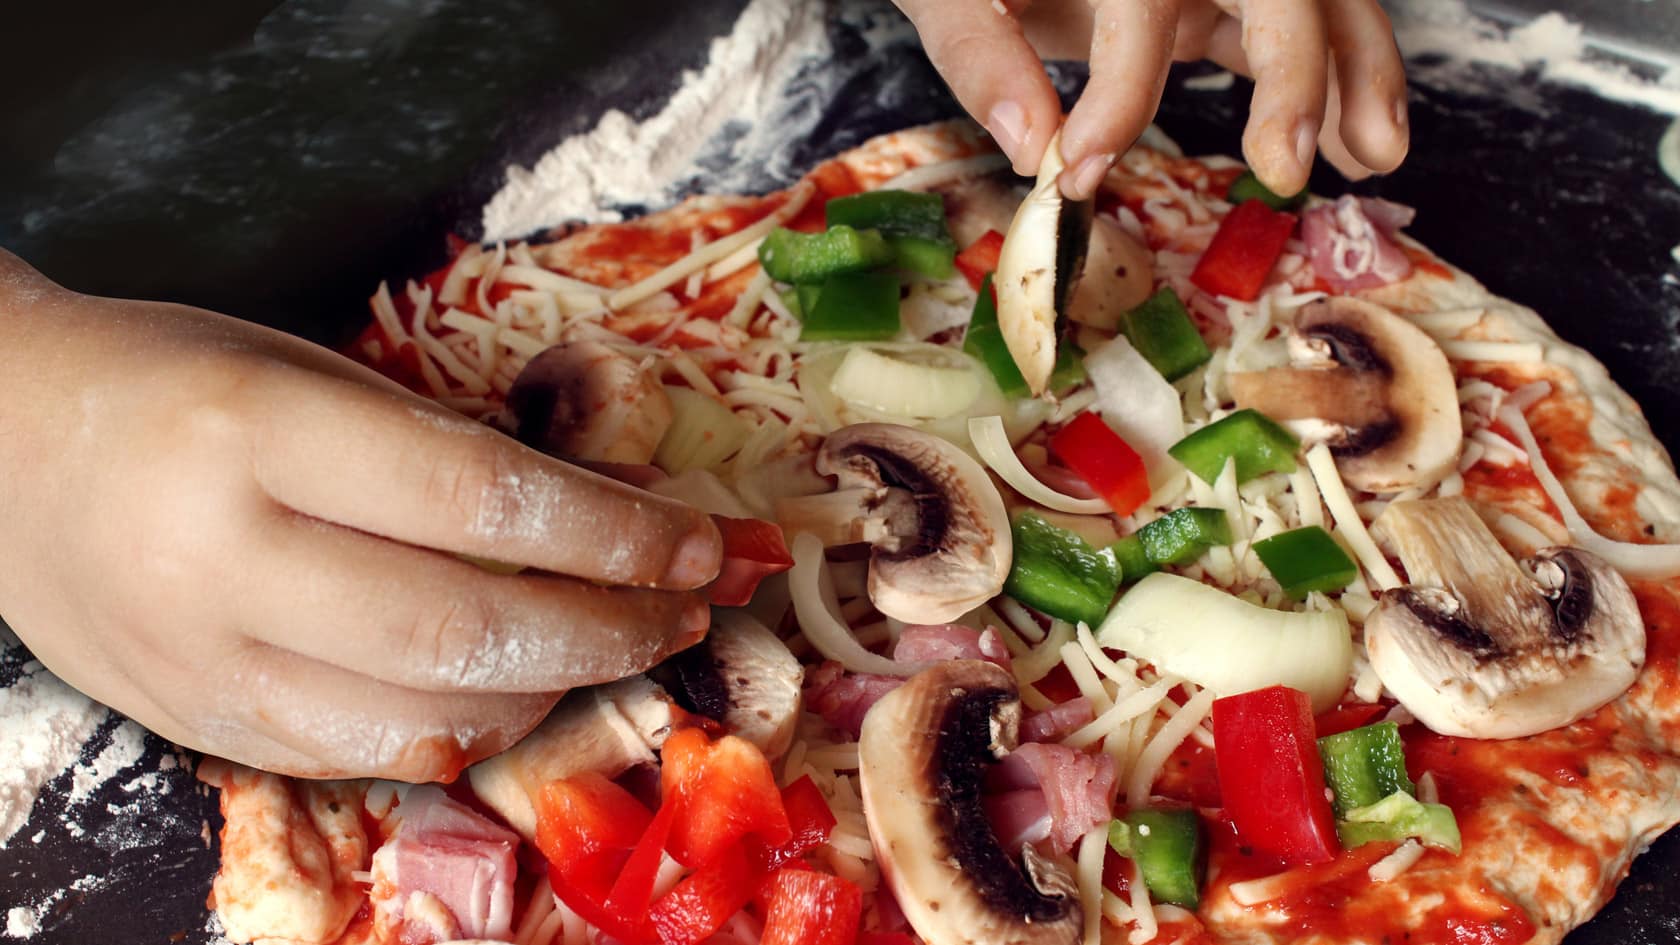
pixel 1651 562
pixel 815 606
pixel 1138 403
pixel 1227 644
pixel 992 443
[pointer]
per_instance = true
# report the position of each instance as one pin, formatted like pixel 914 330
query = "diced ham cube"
pixel 446 873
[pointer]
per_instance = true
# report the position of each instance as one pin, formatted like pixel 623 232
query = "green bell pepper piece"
pixel 1070 367
pixel 932 258
pixel 984 340
pixel 1059 573
pixel 1167 846
pixel 1248 187
pixel 1133 558
pixel 1180 536
pixel 1398 817
pixel 893 212
pixel 1364 765
pixel 1305 560
pixel 806 294
pixel 791 256
pixel 1161 330
pixel 853 306
pixel 1259 445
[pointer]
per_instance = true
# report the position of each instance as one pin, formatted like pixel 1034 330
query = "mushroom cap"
pixel 741 675
pixel 1479 647
pixel 585 400
pixel 1381 387
pixel 947 545
pixel 921 759
pixel 1041 259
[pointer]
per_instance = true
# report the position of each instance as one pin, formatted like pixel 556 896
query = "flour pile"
pixel 43 726
pixel 622 161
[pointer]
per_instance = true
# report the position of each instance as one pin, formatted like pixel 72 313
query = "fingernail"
pixel 1401 118
pixel 1306 144
pixel 1088 176
pixel 696 620
pixel 1008 125
pixel 696 559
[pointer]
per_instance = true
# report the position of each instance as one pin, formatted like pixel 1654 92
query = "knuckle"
pixel 476 487
pixel 453 645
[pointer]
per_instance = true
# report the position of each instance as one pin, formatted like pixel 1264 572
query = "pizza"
pixel 1200 565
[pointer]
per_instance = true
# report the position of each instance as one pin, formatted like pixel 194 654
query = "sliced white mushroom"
pixel 1119 275
pixel 584 400
pixel 1372 385
pixel 922 757
pixel 741 675
pixel 606 729
pixel 1041 259
pixel 937 526
pixel 1480 647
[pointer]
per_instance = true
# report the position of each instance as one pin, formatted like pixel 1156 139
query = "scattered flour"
pixel 1442 38
pixel 622 161
pixel 43 726
pixel 127 745
pixel 22 922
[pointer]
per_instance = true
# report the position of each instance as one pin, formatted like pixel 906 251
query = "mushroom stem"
pixel 843 517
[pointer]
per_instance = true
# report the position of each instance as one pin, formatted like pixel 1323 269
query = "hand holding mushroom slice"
pixel 1380 390
pixel 1479 647
pixel 584 400
pixel 921 758
pixel 937 526
pixel 1042 256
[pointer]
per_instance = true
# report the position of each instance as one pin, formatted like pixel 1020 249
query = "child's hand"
pixel 245 542
pixel 989 51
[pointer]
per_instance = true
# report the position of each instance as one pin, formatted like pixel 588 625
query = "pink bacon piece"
pixel 447 873
pixel 1351 242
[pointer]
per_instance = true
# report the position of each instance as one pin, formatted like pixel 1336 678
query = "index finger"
pixel 412 471
pixel 1131 50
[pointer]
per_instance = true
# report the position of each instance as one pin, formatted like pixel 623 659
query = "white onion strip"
pixel 1634 560
pixel 815 606
pixel 992 443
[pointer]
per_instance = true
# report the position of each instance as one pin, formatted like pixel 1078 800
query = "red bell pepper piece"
pixel 1271 776
pixel 1345 718
pixel 633 888
pixel 753 549
pixel 980 258
pixel 809 817
pixel 1248 243
pixel 616 902
pixel 581 818
pixel 886 938
pixel 707 897
pixel 1107 463
pixel 805 907
pixel 720 791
